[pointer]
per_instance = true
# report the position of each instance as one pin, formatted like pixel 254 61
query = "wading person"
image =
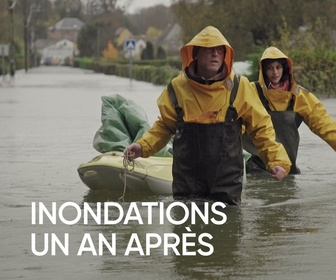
pixel 204 108
pixel 288 104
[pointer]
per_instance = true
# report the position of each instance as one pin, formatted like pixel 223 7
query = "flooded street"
pixel 48 118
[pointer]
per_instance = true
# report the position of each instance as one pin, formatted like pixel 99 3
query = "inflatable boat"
pixel 123 122
pixel 152 175
pixel 107 171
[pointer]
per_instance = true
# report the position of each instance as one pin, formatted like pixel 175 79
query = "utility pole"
pixel 28 10
pixel 25 33
pixel 98 42
pixel 11 5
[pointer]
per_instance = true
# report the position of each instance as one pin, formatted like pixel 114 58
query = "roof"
pixel 68 24
pixel 172 31
pixel 41 44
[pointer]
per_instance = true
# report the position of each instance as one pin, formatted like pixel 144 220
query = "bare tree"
pixel 97 7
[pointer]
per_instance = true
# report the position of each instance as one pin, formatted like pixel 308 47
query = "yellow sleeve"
pixel 158 136
pixel 316 117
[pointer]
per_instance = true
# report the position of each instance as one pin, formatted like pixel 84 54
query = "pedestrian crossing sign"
pixel 130 44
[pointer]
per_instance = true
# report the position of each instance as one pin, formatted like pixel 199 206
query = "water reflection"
pixel 266 191
pixel 225 241
pixel 225 238
pixel 273 222
pixel 103 195
pixel 277 207
pixel 130 254
pixel 282 230
pixel 270 223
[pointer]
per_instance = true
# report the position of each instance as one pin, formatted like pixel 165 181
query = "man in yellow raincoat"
pixel 204 108
pixel 288 104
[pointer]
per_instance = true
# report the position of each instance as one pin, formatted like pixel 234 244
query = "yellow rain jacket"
pixel 208 103
pixel 306 104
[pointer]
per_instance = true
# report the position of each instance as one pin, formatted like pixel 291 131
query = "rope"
pixel 128 165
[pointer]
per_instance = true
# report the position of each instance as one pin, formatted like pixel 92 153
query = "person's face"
pixel 210 60
pixel 274 72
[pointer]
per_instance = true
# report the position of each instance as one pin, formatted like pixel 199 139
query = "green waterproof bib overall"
pixel 208 158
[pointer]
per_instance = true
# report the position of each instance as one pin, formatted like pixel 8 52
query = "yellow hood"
pixel 275 53
pixel 208 37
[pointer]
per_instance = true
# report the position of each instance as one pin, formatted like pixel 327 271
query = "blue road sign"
pixel 130 44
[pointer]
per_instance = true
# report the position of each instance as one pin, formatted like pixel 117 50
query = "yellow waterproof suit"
pixel 205 105
pixel 288 108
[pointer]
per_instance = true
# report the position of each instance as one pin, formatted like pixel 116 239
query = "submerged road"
pixel 48 117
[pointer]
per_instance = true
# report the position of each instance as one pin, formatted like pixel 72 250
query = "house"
pixel 55 52
pixel 171 40
pixel 67 28
pixel 122 34
pixel 61 44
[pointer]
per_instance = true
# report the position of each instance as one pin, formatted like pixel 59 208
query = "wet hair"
pixel 283 61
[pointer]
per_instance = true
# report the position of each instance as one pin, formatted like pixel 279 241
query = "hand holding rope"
pixel 128 164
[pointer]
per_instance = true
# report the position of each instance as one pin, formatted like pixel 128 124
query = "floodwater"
pixel 48 117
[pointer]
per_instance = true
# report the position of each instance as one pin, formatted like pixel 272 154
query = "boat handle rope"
pixel 128 165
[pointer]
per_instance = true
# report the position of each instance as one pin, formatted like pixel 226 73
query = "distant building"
pixel 67 28
pixel 61 44
pixel 122 34
pixel 55 52
pixel 171 40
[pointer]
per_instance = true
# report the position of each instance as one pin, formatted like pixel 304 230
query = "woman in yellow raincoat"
pixel 204 108
pixel 288 104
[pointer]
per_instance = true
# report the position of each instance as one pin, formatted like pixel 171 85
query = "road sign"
pixel 130 44
pixel 4 50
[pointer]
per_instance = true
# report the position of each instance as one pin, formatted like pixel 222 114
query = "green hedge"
pixel 158 72
pixel 315 70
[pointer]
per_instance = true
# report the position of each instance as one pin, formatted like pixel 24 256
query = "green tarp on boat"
pixel 123 122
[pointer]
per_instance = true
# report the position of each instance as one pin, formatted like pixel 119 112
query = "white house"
pixel 56 52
